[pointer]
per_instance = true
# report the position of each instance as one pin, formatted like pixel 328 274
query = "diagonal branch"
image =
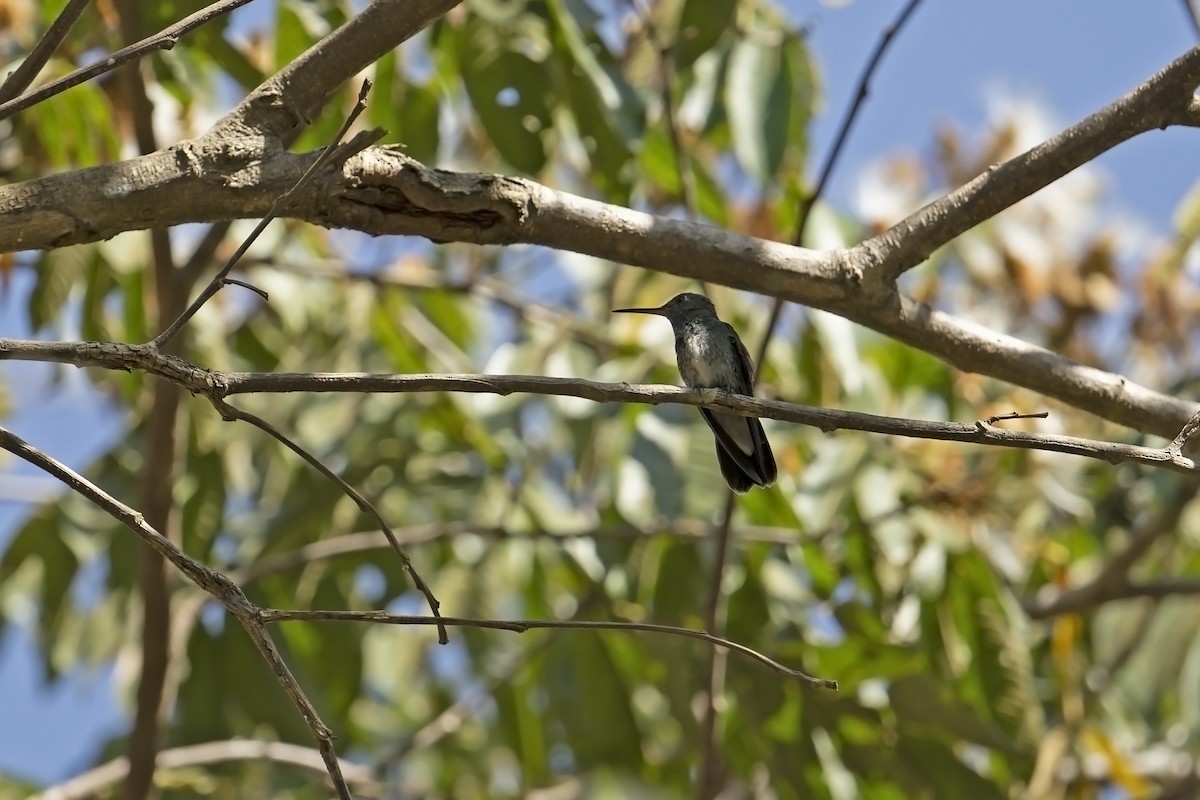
pixel 216 584
pixel 337 153
pixel 165 39
pixel 1165 99
pixel 664 63
pixel 861 92
pixel 230 413
pixel 19 79
pixel 293 97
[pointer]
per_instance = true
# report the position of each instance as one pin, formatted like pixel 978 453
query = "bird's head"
pixel 679 308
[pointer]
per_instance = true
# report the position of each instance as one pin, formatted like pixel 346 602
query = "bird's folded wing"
pixel 743 440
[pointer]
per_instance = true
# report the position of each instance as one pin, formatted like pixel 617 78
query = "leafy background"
pixel 904 569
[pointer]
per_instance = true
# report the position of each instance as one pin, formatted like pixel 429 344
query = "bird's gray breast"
pixel 705 357
pixel 708 359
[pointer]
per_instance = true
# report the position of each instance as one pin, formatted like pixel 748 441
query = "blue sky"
pixel 1072 56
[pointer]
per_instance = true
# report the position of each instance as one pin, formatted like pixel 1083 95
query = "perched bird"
pixel 711 356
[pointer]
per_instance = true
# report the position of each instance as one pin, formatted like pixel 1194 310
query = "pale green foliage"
pixel 909 560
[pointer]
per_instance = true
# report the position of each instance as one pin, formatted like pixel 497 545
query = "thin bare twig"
pixel 19 79
pixel 340 151
pixel 666 76
pixel 826 419
pixel 1185 435
pixel 229 412
pixel 1017 415
pixel 246 285
pixel 216 384
pixel 165 39
pixel 711 764
pixel 216 584
pixel 861 92
pixel 271 615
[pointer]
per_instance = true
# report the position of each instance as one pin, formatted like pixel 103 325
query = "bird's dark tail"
pixel 737 479
pixel 744 471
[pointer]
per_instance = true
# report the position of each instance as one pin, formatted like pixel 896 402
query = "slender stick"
pixel 19 79
pixel 861 92
pixel 213 582
pixel 165 39
pixel 229 412
pixel 270 615
pixel 340 152
pixel 216 384
pixel 712 765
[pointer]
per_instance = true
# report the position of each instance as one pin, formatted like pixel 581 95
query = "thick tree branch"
pixel 294 96
pixel 971 347
pixel 382 191
pixel 232 173
pixel 218 385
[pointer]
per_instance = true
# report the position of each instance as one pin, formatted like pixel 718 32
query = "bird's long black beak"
pixel 657 311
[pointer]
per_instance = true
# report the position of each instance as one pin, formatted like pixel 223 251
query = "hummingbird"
pixel 711 356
